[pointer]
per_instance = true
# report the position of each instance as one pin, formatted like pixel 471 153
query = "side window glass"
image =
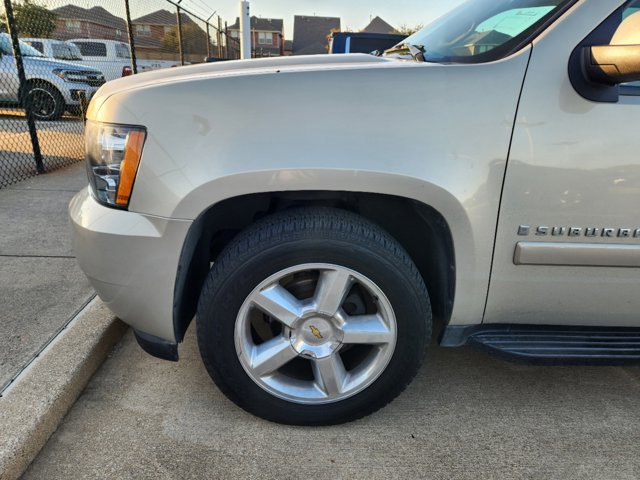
pixel 92 49
pixel 122 50
pixel 37 45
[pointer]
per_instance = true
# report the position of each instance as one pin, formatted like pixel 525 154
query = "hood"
pixel 241 68
pixel 44 64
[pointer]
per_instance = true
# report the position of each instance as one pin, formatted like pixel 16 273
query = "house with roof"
pixel 96 22
pixel 156 25
pixel 267 36
pixel 155 36
pixel 310 34
pixel 378 25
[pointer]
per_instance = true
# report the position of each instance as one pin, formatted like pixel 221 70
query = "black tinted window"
pixel 92 49
pixel 37 45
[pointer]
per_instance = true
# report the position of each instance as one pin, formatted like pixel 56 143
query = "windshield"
pixel 482 30
pixel 26 50
pixel 65 51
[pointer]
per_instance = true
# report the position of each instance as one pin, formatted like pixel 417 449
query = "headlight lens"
pixel 113 155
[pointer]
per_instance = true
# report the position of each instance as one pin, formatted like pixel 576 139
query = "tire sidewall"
pixel 59 108
pixel 238 277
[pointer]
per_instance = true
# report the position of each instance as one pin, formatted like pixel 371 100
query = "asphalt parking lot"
pixel 466 416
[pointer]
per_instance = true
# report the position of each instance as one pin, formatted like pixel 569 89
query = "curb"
pixel 34 405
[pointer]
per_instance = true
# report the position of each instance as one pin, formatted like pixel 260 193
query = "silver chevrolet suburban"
pixel 317 215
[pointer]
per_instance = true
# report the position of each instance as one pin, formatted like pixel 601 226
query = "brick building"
pixel 267 36
pixel 77 22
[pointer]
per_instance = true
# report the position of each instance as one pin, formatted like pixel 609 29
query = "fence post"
pixel 208 42
pixel 132 45
pixel 22 78
pixel 219 38
pixel 226 40
pixel 180 44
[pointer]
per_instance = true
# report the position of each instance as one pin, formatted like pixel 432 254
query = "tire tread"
pixel 300 224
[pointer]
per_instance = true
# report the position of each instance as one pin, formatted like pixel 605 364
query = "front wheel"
pixel 313 317
pixel 45 101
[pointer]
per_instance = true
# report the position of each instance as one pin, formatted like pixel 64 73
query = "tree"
pixel 32 19
pixel 194 39
pixel 407 30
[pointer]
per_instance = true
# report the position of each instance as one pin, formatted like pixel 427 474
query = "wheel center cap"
pixel 316 337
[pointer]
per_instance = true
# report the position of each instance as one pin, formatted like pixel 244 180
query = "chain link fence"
pixel 55 54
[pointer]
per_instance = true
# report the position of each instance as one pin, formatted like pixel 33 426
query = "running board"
pixel 551 344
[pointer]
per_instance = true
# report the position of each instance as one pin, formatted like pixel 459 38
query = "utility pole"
pixel 245 30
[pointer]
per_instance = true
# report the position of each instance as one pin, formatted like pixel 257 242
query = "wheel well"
pixel 420 229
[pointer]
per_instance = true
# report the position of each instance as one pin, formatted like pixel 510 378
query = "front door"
pixel 568 240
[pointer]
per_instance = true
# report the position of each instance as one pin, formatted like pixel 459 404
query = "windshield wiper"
pixel 416 51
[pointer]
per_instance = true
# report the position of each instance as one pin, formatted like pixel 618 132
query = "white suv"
pixel 316 213
pixel 53 86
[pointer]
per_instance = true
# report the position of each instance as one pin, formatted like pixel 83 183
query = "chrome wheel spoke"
pixel 268 357
pixel 333 286
pixel 366 329
pixel 315 330
pixel 330 374
pixel 279 303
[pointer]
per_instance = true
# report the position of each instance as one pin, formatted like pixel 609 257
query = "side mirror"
pixel 612 64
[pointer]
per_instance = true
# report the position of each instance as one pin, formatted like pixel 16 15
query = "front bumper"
pixel 73 92
pixel 131 260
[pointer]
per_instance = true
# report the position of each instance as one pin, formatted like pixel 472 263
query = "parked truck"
pixel 113 58
pixel 482 176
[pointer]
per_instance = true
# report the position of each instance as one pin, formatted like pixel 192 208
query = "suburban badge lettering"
pixel 591 232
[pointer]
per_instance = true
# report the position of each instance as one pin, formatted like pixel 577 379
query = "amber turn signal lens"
pixel 129 167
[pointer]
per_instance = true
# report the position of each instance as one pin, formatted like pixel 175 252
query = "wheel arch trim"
pixel 200 243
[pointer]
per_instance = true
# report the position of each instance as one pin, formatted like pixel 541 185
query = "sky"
pixel 355 14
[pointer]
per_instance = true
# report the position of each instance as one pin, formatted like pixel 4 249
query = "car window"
pixel 122 50
pixel 75 51
pixel 63 51
pixel 92 49
pixel 37 45
pixel 26 50
pixel 483 30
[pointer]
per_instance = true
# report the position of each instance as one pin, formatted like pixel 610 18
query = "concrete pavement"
pixel 466 416
pixel 41 287
pixel 53 336
pixel 39 295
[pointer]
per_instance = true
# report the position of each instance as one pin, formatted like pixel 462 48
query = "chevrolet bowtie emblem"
pixel 316 332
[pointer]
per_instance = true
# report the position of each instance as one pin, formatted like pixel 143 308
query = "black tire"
pixel 45 101
pixel 303 236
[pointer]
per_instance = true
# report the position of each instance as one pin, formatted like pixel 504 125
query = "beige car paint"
pixel 573 163
pixel 436 133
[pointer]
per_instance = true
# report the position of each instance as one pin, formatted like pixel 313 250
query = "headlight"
pixel 113 154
